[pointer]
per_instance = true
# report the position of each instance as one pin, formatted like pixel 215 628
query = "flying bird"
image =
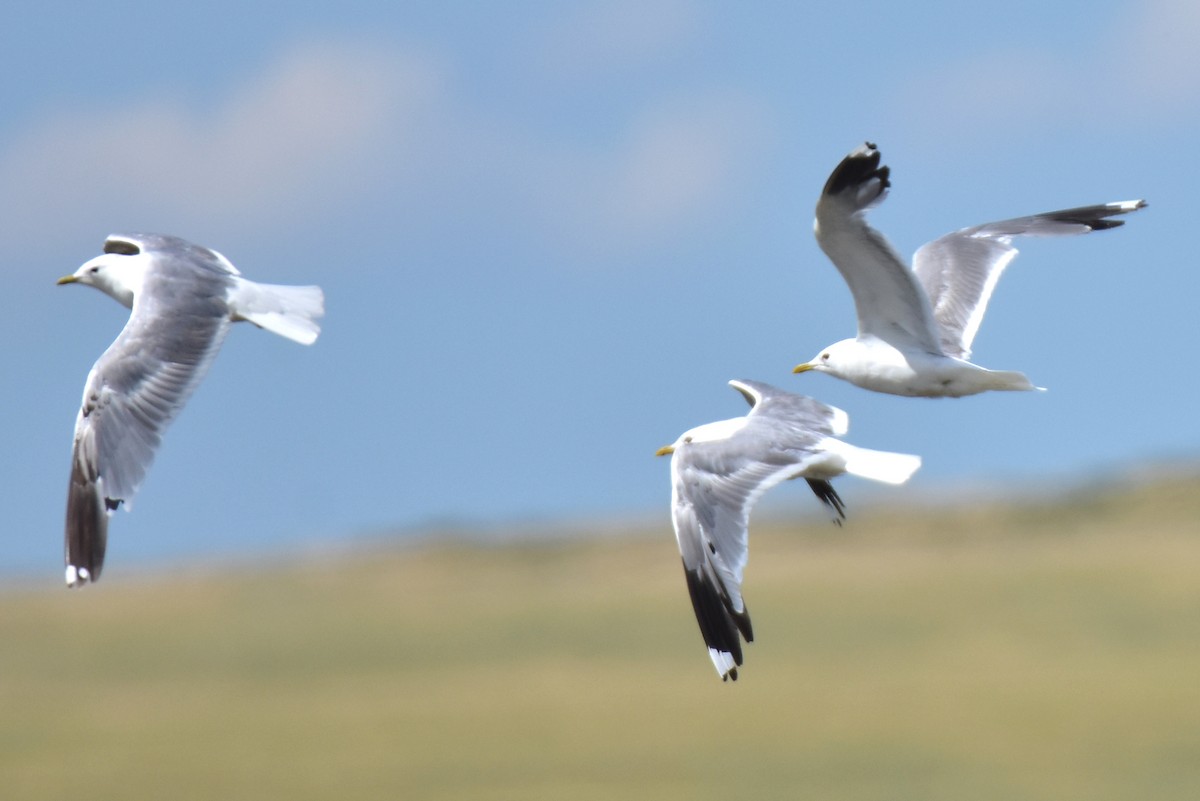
pixel 720 470
pixel 915 327
pixel 183 299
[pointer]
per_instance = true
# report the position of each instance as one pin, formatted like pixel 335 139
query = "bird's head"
pixel 833 359
pixel 118 273
pixel 709 432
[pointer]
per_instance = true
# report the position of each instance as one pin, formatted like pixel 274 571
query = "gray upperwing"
pixel 959 271
pixel 887 297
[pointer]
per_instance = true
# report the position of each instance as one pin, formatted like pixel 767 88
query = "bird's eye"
pixel 687 439
pixel 824 357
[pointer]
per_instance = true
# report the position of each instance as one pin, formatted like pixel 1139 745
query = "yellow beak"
pixel 664 450
pixel 803 368
pixel 66 279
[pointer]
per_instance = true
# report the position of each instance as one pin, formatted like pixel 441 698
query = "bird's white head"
pixel 709 432
pixel 838 359
pixel 118 273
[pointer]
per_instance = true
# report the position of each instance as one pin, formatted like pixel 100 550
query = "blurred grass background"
pixel 983 651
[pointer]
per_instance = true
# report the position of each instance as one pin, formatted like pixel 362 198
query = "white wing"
pixel 959 271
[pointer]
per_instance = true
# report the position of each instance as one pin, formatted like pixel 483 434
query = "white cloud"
pixel 680 162
pixel 305 126
pixel 350 122
pixel 1146 66
pixel 665 172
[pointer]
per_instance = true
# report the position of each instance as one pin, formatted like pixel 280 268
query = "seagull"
pixel 915 327
pixel 720 470
pixel 183 299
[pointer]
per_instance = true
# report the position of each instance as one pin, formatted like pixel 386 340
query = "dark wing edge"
pixel 827 495
pixel 959 271
pixel 87 523
pixel 124 413
pixel 860 170
pixel 1080 219
pixel 888 300
pixel 719 624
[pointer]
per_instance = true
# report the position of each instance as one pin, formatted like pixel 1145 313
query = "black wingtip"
pixel 1097 218
pixel 828 496
pixel 86 526
pixel 719 624
pixel 858 168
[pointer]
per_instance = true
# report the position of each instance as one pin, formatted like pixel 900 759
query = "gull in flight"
pixel 183 298
pixel 915 327
pixel 720 470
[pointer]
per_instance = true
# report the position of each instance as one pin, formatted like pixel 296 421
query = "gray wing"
pixel 133 392
pixel 711 516
pixel 889 302
pixel 807 418
pixel 715 487
pixel 804 421
pixel 959 271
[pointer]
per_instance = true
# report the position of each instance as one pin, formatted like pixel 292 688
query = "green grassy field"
pixel 995 652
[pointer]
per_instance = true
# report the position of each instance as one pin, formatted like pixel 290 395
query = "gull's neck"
pixel 120 277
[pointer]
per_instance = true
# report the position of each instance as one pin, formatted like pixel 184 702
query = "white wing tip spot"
pixel 77 576
pixel 723 661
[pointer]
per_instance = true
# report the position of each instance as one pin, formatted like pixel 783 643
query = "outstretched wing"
pixel 132 393
pixel 711 511
pixel 890 303
pixel 805 419
pixel 959 271
pixel 715 485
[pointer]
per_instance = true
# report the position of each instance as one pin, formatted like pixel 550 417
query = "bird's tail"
pixel 1010 380
pixel 885 466
pixel 290 311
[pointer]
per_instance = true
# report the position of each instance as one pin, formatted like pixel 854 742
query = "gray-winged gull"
pixel 183 299
pixel 720 470
pixel 915 327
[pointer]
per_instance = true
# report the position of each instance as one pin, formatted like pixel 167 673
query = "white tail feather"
pixel 289 311
pixel 1010 380
pixel 885 466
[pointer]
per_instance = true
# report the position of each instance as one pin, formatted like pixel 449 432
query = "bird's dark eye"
pixel 95 269
pixel 824 357
pixel 687 439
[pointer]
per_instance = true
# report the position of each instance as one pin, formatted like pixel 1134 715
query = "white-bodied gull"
pixel 915 327
pixel 720 470
pixel 183 299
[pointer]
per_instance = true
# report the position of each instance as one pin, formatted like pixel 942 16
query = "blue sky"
pixel 549 233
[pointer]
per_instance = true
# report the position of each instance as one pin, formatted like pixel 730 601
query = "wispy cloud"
pixel 307 124
pixel 678 164
pixel 329 123
pixel 1143 66
pixel 663 172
